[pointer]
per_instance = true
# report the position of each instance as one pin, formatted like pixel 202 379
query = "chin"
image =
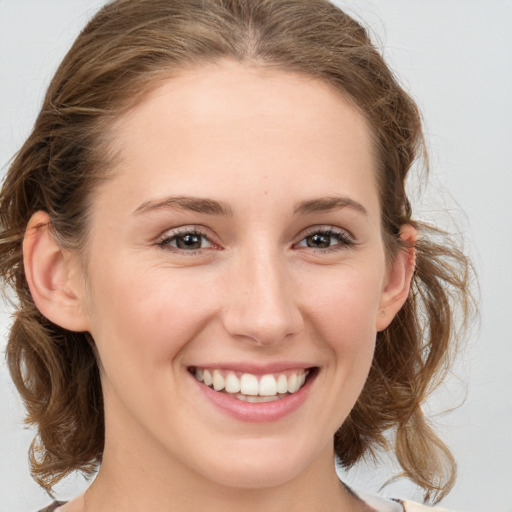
pixel 251 476
pixel 264 467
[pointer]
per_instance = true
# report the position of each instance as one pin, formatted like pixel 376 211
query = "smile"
pixel 248 387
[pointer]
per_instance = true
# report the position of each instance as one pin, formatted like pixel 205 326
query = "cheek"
pixel 344 306
pixel 342 311
pixel 145 318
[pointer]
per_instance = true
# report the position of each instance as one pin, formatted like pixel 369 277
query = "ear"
pixel 53 276
pixel 398 279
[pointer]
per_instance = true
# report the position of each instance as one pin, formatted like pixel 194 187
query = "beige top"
pixel 410 506
pixel 381 504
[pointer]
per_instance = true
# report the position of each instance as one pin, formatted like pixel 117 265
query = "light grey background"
pixel 455 56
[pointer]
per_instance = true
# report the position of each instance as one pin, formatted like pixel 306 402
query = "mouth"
pixel 253 388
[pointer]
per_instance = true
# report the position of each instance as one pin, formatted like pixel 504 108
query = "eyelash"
pixel 167 239
pixel 344 239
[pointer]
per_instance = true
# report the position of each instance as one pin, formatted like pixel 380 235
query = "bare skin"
pixel 286 270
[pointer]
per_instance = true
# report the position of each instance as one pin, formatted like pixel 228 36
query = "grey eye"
pixel 320 240
pixel 186 241
pixel 325 239
pixel 190 241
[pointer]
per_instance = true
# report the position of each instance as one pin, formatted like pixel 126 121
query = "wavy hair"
pixel 124 52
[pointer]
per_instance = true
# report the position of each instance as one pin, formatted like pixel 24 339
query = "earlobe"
pixel 51 276
pixel 399 278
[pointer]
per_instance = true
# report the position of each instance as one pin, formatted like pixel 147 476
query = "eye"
pixel 186 240
pixel 327 239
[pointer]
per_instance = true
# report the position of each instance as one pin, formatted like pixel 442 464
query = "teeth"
pixel 261 399
pixel 249 384
pixel 268 386
pixel 207 378
pixel 282 384
pixel 251 388
pixel 257 399
pixel 232 383
pixel 218 381
pixel 292 383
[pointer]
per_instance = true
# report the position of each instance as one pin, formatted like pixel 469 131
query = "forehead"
pixel 246 125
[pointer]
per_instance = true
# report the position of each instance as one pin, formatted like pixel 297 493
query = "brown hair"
pixel 122 53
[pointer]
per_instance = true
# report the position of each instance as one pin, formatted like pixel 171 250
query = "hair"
pixel 124 52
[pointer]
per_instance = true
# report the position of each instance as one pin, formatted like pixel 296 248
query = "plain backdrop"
pixel 455 57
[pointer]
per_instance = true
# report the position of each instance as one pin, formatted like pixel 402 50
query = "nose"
pixel 260 303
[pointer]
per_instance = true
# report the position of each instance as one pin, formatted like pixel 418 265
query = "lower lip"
pixel 259 412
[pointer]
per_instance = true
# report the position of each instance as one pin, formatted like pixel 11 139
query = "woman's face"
pixel 239 241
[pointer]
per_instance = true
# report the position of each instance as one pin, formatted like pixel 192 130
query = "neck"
pixel 127 481
pixel 137 473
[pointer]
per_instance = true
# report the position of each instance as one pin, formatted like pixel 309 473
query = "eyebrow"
pixel 328 204
pixel 213 207
pixel 195 204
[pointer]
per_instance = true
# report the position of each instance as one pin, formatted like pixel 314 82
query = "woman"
pixel 221 285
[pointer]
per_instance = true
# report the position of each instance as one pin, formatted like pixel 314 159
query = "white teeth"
pixel 207 378
pixel 268 386
pixel 249 384
pixel 292 383
pixel 252 399
pixel 260 399
pixel 282 384
pixel 218 381
pixel 251 388
pixel 232 383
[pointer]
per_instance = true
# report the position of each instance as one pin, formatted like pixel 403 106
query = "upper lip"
pixel 256 368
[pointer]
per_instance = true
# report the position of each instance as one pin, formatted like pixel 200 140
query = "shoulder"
pixel 377 503
pixel 52 507
pixel 411 506
pixel 380 504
